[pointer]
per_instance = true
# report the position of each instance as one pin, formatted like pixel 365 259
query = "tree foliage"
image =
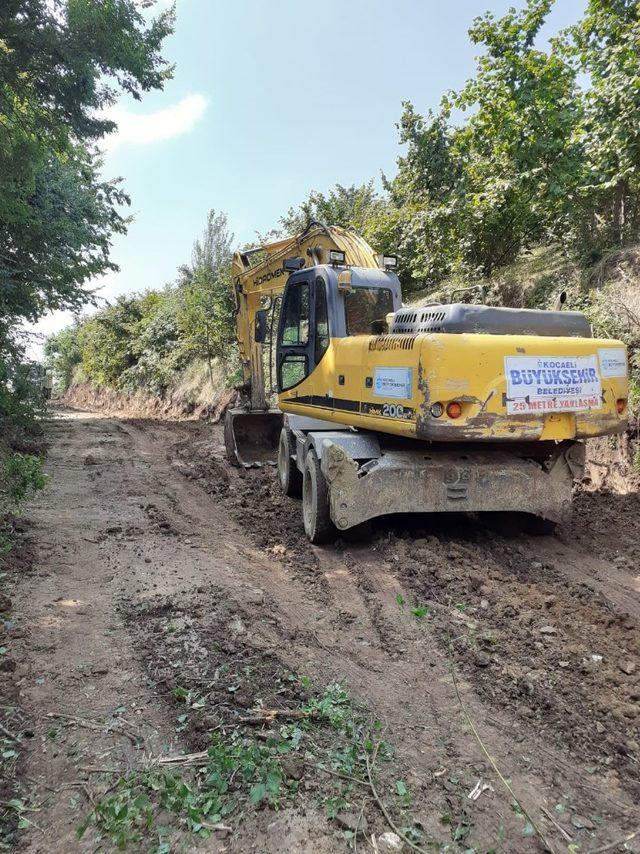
pixel 205 294
pixel 144 341
pixel 61 63
pixel 605 45
pixel 541 146
pixel 349 207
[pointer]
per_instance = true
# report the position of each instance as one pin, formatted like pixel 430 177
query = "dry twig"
pixel 492 761
pixel 380 802
pixel 343 776
pixel 355 835
pixel 262 716
pixel 9 734
pixel 96 727
pixel 200 758
pixel 612 845
pixel 559 827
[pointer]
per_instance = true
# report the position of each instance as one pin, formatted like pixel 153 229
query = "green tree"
pixel 61 63
pixel 605 46
pixel 473 195
pixel 206 296
pixel 349 207
pixel 110 341
pixel 64 354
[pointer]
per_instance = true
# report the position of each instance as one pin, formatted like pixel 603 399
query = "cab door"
pixel 303 330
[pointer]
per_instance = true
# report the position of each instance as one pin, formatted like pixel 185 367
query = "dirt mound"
pixel 613 463
pixel 557 652
pixel 141 404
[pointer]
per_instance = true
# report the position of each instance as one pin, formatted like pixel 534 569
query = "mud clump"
pixel 198 462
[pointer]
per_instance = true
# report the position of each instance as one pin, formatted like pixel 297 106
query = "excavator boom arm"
pixel 256 280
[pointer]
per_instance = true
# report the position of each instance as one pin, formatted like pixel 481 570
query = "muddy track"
pixel 159 565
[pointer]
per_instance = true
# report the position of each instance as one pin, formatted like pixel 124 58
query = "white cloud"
pixel 144 129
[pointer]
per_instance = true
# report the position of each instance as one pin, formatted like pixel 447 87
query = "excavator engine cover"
pixel 251 438
pixel 490 320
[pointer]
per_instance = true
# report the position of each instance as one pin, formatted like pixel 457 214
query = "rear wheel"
pixel 315 502
pixel 288 474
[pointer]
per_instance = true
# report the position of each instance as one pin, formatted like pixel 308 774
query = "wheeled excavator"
pixel 385 408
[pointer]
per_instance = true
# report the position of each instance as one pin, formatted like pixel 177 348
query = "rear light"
pixel 621 405
pixel 454 409
pixel 436 410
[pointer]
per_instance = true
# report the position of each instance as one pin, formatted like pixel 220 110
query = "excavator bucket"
pixel 251 438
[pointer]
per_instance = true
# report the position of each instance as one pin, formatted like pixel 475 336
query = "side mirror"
pixel 291 265
pixel 260 330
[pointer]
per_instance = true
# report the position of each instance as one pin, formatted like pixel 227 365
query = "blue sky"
pixel 271 100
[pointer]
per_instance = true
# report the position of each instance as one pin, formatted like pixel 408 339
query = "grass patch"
pixel 325 740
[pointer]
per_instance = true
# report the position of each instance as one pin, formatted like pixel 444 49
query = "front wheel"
pixel 288 474
pixel 315 502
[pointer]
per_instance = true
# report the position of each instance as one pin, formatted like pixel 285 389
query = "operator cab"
pixel 329 301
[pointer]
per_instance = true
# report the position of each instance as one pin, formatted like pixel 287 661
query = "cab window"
pixel 322 320
pixel 295 328
pixel 292 370
pixel 367 309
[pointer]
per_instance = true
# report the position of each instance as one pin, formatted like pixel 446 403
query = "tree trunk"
pixel 618 212
pixel 209 356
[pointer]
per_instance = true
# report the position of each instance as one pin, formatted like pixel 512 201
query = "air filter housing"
pixel 458 318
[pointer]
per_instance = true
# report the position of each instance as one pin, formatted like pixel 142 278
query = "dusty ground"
pixel 171 599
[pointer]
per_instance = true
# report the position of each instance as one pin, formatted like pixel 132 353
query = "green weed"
pixel 420 611
pixel 242 773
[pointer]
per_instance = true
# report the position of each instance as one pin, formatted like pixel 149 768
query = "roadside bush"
pixel 146 341
pixel 21 475
pixel 613 307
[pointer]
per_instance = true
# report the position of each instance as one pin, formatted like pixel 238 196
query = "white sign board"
pixel 393 382
pixel 552 383
pixel 613 362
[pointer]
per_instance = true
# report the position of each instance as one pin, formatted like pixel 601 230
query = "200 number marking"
pixel 393 410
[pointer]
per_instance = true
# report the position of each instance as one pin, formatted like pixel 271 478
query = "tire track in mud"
pixel 82 524
pixel 493 596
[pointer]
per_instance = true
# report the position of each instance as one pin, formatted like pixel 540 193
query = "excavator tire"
pixel 289 475
pixel 315 502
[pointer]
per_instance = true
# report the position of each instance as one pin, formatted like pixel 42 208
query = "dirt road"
pixel 173 603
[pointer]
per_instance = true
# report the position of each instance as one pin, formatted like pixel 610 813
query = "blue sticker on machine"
pixel 393 382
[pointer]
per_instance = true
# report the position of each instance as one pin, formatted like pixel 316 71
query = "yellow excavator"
pixel 385 408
